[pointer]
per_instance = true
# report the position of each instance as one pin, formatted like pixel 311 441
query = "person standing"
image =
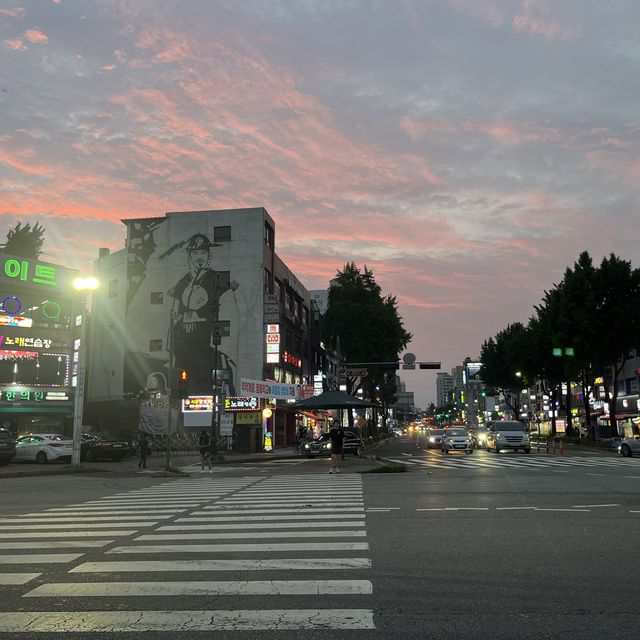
pixel 336 435
pixel 204 443
pixel 143 450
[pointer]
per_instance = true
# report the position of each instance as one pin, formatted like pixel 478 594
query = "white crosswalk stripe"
pixel 222 530
pixel 485 460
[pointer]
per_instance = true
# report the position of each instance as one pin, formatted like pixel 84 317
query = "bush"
pixel 390 468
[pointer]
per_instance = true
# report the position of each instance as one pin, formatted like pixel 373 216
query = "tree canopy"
pixel 25 241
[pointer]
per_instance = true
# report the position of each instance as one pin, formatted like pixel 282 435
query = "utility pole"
pixel 215 405
pixel 167 462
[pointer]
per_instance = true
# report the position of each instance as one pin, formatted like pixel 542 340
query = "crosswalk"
pixel 241 551
pixel 484 460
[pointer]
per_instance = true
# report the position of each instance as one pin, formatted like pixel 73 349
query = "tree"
pixel 502 358
pixel 25 241
pixel 364 326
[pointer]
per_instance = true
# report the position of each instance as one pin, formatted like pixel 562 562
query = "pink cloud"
pixel 16 44
pixel 13 12
pixel 108 68
pixel 35 36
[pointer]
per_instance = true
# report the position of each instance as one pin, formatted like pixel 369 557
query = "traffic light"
pixel 183 384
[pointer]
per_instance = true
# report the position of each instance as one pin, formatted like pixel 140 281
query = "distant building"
pixel 405 404
pixel 445 388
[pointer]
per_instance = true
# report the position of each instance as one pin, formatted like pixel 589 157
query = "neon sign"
pixel 42 273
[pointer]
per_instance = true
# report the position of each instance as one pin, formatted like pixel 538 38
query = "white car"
pixel 43 447
pixel 456 439
pixel 629 447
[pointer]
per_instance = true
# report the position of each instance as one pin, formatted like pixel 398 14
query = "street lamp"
pixel 564 353
pixel 82 285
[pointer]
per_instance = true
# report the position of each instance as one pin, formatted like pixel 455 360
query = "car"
pixel 507 434
pixel 629 446
pixel 434 439
pixel 94 446
pixel 43 447
pixel 321 446
pixel 480 438
pixel 7 446
pixel 456 439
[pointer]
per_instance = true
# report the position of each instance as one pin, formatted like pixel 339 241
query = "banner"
pixel 153 417
pixel 266 389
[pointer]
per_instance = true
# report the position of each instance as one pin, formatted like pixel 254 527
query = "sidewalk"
pixel 155 462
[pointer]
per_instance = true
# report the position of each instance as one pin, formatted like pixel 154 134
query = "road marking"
pixel 457 509
pixel 596 474
pixel 207 515
pixel 40 558
pixel 202 588
pixel 262 525
pixel 17 578
pixel 85 525
pixel 177 621
pixel 66 534
pixel 55 544
pixel 238 548
pixel 633 477
pixel 512 508
pixel 579 506
pixel 262 564
pixel 102 512
pixel 82 519
pixel 323 516
pixel 634 511
pixel 544 509
pixel 252 534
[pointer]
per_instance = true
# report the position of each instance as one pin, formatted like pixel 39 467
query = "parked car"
pixel 97 447
pixel 629 446
pixel 43 447
pixel 456 439
pixel 7 446
pixel 507 434
pixel 322 446
pixel 434 439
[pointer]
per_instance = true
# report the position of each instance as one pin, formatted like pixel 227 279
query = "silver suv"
pixel 507 434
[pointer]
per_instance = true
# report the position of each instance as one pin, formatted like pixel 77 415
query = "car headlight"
pixel 432 439
pixel 328 445
pixel 306 446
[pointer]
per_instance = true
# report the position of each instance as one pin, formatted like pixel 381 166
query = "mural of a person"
pixel 195 318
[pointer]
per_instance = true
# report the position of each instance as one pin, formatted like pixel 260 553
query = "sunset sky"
pixel 465 150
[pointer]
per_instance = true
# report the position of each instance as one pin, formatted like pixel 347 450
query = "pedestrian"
pixel 143 450
pixel 336 435
pixel 204 442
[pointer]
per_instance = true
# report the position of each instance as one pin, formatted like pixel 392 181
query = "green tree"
pixel 502 358
pixel 364 326
pixel 25 241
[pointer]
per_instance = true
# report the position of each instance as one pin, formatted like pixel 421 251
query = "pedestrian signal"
pixel 183 384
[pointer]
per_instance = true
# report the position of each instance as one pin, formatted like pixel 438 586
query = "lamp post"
pixel 564 353
pixel 82 285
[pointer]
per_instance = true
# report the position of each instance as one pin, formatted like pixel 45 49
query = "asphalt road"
pixel 459 547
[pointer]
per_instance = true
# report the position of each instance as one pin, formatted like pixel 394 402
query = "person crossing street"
pixel 336 435
pixel 204 442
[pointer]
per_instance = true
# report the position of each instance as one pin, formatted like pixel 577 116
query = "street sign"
pixel 271 318
pixel 356 373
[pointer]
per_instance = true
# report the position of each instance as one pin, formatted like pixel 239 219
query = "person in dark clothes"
pixel 143 450
pixel 204 442
pixel 336 435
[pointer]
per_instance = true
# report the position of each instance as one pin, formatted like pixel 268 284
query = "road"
pixel 453 549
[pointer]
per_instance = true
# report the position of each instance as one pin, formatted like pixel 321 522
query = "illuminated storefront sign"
pixel 296 362
pixel 272 341
pixel 29 271
pixel 241 403
pixel 248 418
pixel 20 341
pixel 266 389
pixel 24 395
pixel 34 368
pixel 197 403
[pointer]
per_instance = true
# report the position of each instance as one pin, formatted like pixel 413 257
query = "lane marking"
pixel 177 621
pixel 261 525
pixel 239 548
pixel 202 588
pixel 512 508
pixel 55 544
pixel 252 534
pixel 262 564
pixel 573 510
pixel 85 525
pixel 325 516
pixel 66 534
pixel 40 558
pixel 578 506
pixel 17 578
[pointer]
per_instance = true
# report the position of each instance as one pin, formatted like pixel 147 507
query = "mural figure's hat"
pixel 199 241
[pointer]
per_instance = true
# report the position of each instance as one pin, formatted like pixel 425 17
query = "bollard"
pixel 553 449
pixel 561 448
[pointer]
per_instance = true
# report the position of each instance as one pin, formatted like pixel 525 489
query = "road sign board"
pixel 355 373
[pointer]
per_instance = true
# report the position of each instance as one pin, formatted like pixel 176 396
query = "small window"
pixel 222 234
pixel 156 297
pixel 113 289
pixel 268 288
pixel 155 345
pixel 277 290
pixel 268 235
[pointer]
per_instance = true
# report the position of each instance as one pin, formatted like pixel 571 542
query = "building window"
pixel 155 345
pixel 113 288
pixel 268 288
pixel 277 290
pixel 222 234
pixel 156 297
pixel 268 235
pixel 305 316
pixel 297 312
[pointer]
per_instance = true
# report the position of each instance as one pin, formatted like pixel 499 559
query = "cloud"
pixel 16 44
pixel 13 12
pixel 35 36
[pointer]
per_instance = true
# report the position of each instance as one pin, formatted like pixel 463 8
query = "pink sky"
pixel 465 150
